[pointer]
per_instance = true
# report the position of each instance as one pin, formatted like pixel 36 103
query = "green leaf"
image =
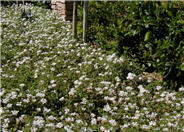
pixel 180 22
pixel 147 36
pixel 169 13
pixel 182 66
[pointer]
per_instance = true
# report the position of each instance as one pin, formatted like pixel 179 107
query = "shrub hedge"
pixel 150 32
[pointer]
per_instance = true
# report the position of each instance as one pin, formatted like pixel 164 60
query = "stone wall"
pixel 64 9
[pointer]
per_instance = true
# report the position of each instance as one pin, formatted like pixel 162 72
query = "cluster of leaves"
pixel 51 82
pixel 150 32
pixel 42 3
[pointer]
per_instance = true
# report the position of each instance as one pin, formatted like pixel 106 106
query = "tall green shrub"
pixel 151 32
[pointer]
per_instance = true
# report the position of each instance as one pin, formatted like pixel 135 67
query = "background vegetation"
pixel 42 3
pixel 149 32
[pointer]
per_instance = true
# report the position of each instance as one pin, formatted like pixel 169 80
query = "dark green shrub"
pixel 151 32
pixel 154 34
pixel 102 21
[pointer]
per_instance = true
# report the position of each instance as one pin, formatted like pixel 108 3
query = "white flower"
pixel 152 123
pixel 110 57
pixel 9 105
pixel 83 109
pixel 52 69
pixel 79 121
pixel 117 79
pixel 81 78
pixel 93 121
pixel 142 90
pixel 107 67
pixel 46 110
pixel 40 95
pixel 58 75
pixel 102 128
pixel 158 87
pixel 92 115
pixel 126 108
pixel 53 64
pixel 165 129
pixel 51 118
pixel 62 99
pixel 96 66
pixel 98 89
pixel 125 125
pixel 77 72
pixel 128 88
pixel 26 100
pixel 112 122
pixel 52 81
pixel 100 58
pixel 38 121
pixel 34 129
pixel 121 59
pixel 1 93
pixel 107 108
pixel 69 119
pixel 77 82
pixel 72 91
pixel 134 124
pixel 53 85
pixel 181 89
pixel 50 125
pixel 59 125
pixel 105 83
pixel 66 110
pixel 145 127
pixel 83 101
pixel 115 60
pixel 169 124
pixel 43 100
pixel 38 109
pixel 19 104
pixel 1 110
pixel 163 94
pixel 22 85
pixel 122 93
pixel 149 79
pixel 182 101
pixel 131 76
pixel 15 112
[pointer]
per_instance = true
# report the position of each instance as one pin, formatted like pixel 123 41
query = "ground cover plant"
pixel 51 82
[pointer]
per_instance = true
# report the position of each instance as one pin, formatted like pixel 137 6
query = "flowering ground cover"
pixel 51 82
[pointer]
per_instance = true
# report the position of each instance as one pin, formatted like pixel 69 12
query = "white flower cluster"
pixel 131 76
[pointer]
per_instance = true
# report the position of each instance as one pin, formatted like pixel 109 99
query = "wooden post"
pixel 74 28
pixel 23 5
pixel 85 12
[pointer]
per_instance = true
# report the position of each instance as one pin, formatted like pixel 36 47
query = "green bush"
pixel 150 32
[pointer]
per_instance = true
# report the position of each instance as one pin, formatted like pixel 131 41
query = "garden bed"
pixel 51 82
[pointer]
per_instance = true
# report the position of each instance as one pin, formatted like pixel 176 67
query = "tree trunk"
pixel 85 12
pixel 74 29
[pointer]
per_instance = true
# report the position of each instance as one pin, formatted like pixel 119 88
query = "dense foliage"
pixel 42 3
pixel 50 82
pixel 150 32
